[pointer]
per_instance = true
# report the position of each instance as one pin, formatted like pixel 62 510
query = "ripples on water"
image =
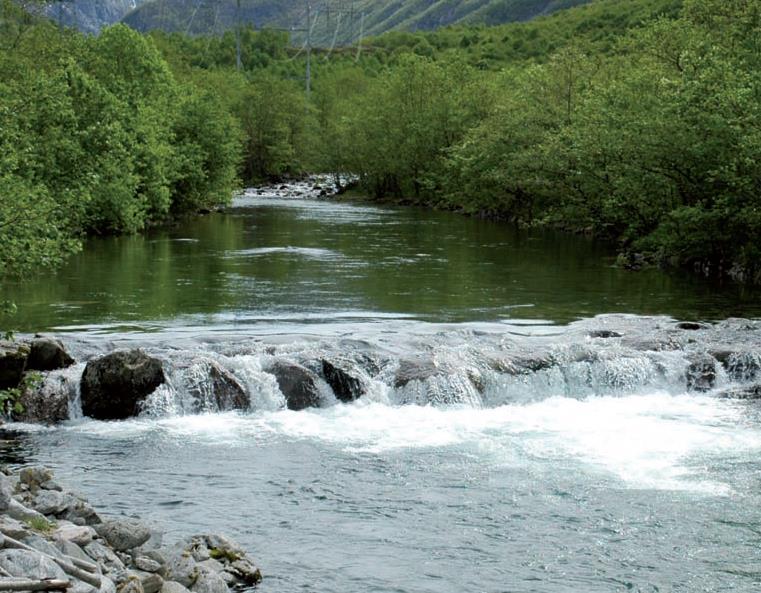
pixel 599 470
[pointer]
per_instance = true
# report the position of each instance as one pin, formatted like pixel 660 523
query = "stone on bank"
pixel 48 532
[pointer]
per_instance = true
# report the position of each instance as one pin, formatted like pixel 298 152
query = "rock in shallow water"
pixel 298 384
pixel 114 386
pixel 346 384
pixel 47 354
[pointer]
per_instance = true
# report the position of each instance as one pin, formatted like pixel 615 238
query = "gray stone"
pixel 220 543
pixel 47 354
pixel 42 545
pixel 73 550
pixel 104 556
pixel 211 564
pixel 174 587
pixel 6 492
pixel 31 565
pixel 78 534
pixel 124 535
pixel 245 571
pixel 113 387
pixel 79 511
pixel 49 502
pixel 107 585
pixel 16 510
pixel 209 582
pixel 51 485
pixel 298 385
pixel 132 585
pixel 182 568
pixel 12 528
pixel 150 581
pixel 147 564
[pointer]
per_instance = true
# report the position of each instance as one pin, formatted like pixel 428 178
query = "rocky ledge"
pixel 52 539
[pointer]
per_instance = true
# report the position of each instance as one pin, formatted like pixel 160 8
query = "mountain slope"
pixel 341 20
pixel 90 15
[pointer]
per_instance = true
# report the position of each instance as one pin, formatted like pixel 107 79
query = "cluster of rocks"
pixel 53 539
pixel 118 385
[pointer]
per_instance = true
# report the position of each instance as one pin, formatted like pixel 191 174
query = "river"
pixel 561 433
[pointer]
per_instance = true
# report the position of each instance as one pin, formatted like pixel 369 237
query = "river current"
pixel 533 419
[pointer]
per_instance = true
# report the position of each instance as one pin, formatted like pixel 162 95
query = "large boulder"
pixel 47 354
pixel 114 386
pixel 298 384
pixel 13 359
pixel 346 383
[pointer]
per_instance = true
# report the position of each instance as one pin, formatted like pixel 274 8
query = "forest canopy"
pixel 635 121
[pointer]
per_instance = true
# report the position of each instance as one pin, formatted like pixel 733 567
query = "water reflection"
pixel 270 258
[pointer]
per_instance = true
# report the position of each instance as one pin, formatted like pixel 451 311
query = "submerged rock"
pixel 114 386
pixel 415 369
pixel 47 354
pixel 347 384
pixel 298 385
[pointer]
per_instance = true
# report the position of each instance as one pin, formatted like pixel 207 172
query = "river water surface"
pixel 561 442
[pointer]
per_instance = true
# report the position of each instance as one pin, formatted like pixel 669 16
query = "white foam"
pixel 657 441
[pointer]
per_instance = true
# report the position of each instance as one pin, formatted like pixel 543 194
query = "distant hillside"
pixel 340 20
pixel 90 15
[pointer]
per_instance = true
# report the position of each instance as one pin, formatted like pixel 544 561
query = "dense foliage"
pixel 636 121
pixel 98 136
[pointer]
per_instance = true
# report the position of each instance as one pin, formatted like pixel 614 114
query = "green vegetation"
pixel 98 136
pixel 635 121
pixel 10 399
pixel 40 524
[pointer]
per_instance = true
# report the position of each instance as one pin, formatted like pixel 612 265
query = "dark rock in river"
pixel 47 354
pixel 13 359
pixel 114 386
pixel 346 384
pixel 216 388
pixel 298 384
pixel 691 326
pixel 701 372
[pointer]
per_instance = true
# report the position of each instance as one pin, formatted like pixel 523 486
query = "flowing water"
pixel 532 419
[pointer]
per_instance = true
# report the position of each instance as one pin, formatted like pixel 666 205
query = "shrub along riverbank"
pixel 638 123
